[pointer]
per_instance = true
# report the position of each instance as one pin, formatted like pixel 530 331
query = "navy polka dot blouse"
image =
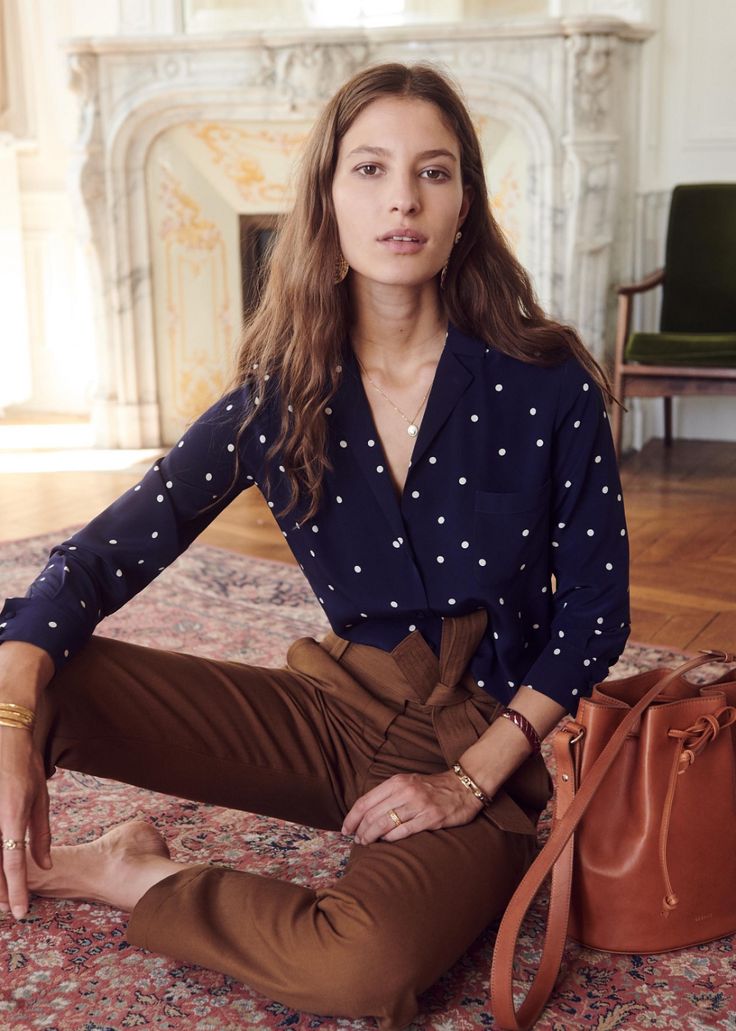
pixel 512 503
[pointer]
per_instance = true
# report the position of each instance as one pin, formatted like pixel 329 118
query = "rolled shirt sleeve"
pixel 102 566
pixel 589 549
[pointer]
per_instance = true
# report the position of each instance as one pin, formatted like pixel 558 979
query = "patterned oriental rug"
pixel 68 966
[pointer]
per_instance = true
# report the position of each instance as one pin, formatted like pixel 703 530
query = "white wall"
pixel 16 383
pixel 50 346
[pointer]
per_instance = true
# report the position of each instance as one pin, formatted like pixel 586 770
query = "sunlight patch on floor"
pixel 76 460
pixel 46 435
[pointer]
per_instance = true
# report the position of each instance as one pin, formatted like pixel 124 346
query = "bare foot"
pixel 117 868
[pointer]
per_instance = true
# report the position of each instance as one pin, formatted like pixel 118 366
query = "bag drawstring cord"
pixel 691 743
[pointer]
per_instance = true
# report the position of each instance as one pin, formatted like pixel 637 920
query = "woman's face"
pixel 398 192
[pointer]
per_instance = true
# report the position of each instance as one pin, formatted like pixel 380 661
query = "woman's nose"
pixel 405 195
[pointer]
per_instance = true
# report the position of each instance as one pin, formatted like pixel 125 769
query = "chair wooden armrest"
pixel 648 283
pixel 623 326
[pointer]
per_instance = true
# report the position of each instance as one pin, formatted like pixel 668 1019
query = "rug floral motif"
pixel 69 967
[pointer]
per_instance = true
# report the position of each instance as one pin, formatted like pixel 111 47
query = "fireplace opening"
pixel 257 235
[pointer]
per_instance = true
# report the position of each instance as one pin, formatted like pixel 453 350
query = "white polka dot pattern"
pixel 506 450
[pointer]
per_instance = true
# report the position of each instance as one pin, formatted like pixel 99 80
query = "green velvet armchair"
pixel 694 352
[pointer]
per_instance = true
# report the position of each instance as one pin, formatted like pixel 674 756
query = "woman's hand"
pixel 24 813
pixel 422 802
pixel 24 802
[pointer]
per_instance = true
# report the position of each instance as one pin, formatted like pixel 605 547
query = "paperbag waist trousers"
pixel 302 742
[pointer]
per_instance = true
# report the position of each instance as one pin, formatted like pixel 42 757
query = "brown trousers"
pixel 302 743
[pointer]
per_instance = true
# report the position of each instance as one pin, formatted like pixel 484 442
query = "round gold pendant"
pixel 413 430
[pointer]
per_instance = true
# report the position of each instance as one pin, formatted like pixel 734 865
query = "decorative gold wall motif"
pixel 241 152
pixel 195 267
pixel 202 176
pixel 505 183
pixel 505 204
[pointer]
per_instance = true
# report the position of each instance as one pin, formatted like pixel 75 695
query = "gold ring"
pixel 11 843
pixel 395 818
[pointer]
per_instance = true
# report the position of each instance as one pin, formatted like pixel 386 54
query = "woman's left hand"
pixel 421 802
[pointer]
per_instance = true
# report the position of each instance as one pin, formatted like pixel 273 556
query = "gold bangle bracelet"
pixel 16 711
pixel 16 716
pixel 20 709
pixel 15 724
pixel 470 784
pixel 16 719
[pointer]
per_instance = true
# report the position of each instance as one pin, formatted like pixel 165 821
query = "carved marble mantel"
pixel 570 86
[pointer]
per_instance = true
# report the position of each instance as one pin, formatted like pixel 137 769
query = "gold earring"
pixel 341 269
pixel 443 274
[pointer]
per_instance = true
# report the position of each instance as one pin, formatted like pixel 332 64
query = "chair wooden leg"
pixel 668 421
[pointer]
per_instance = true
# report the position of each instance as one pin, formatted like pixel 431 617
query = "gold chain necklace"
pixel 412 428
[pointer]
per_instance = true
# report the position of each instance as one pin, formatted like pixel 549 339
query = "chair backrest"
pixel 699 291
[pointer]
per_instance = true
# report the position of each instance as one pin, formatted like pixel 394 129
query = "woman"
pixel 435 451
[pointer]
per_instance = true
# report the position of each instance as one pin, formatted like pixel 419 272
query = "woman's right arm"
pixel 119 552
pixel 93 573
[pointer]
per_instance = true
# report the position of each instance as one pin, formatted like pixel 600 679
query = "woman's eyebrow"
pixel 383 152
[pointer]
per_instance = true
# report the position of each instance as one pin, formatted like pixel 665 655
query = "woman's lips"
pixel 403 243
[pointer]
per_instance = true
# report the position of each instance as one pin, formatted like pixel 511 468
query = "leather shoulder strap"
pixel 557 856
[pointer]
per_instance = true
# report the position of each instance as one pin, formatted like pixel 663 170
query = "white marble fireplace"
pixel 181 136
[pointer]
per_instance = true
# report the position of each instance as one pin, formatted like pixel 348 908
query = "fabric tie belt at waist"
pixel 460 710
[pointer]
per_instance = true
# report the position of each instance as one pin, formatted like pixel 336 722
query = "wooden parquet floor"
pixel 681 510
pixel 680 504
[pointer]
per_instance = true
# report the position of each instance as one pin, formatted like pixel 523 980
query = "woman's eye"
pixel 368 170
pixel 435 174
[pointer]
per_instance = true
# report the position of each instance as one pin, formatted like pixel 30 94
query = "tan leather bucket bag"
pixel 643 843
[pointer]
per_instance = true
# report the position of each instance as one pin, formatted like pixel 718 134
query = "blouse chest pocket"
pixel 509 530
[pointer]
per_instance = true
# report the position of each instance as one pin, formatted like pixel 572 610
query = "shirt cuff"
pixel 567 677
pixel 41 622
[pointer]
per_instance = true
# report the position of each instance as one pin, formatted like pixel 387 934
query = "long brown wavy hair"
pixel 296 334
